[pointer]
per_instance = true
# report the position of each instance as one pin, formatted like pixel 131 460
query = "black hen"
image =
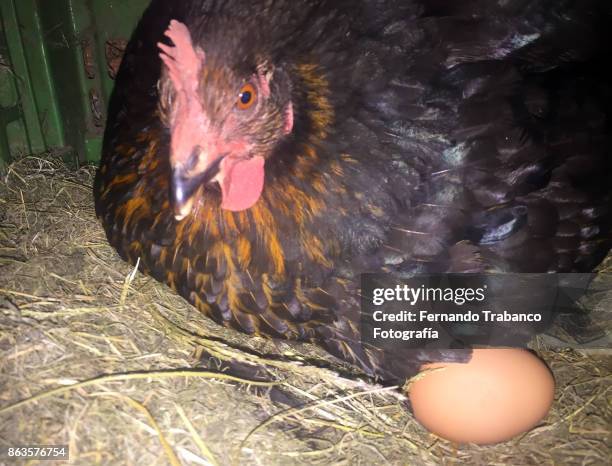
pixel 280 148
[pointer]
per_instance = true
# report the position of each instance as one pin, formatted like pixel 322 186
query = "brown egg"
pixel 499 394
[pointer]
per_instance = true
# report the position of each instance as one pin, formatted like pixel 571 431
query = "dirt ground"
pixel 98 357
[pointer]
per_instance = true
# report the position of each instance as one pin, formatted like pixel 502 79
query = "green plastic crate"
pixel 56 62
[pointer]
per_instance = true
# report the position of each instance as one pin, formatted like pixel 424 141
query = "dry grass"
pixel 101 358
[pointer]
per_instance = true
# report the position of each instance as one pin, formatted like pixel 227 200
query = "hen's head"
pixel 226 113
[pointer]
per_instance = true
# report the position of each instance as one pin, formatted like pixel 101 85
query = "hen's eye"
pixel 246 97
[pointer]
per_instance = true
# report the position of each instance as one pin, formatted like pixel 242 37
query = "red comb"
pixel 183 61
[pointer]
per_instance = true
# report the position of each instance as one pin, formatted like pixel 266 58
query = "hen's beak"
pixel 184 185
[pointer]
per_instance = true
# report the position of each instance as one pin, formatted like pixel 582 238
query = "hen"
pixel 259 156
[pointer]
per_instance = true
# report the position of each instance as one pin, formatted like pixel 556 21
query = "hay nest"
pixel 101 358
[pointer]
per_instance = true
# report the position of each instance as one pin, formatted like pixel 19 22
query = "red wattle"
pixel 242 183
